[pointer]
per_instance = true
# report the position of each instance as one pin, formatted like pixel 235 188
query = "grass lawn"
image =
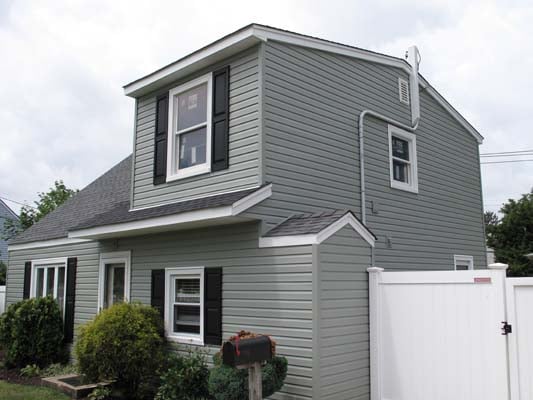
pixel 10 391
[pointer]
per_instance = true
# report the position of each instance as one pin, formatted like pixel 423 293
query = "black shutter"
pixel 158 291
pixel 213 306
pixel 27 280
pixel 70 299
pixel 220 128
pixel 160 145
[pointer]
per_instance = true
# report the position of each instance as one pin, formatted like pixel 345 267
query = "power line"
pixel 507 152
pixel 508 155
pixel 506 162
pixel 16 202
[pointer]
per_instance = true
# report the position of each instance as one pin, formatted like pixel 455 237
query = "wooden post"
pixel 255 382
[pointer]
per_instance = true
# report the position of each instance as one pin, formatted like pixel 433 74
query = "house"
pixel 6 214
pixel 269 170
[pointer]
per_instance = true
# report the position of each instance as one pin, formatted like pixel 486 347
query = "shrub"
pixel 31 332
pixel 59 369
pixel 186 378
pixel 100 393
pixel 228 383
pixel 30 371
pixel 123 343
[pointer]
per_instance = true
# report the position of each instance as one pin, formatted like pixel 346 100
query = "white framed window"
pixel 114 277
pixel 403 164
pixel 463 263
pixel 48 278
pixel 184 305
pixel 189 129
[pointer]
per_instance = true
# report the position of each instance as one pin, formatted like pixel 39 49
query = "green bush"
pixel 30 371
pixel 31 332
pixel 227 383
pixel 186 378
pixel 124 343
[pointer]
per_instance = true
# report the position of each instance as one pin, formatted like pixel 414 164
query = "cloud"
pixel 64 116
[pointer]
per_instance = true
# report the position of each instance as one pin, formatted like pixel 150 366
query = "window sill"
pixel 404 187
pixel 189 172
pixel 197 341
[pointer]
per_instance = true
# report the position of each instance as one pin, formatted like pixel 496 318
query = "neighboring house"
pixel 249 202
pixel 6 213
pixel 491 259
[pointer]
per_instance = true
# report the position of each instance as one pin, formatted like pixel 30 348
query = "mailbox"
pixel 245 351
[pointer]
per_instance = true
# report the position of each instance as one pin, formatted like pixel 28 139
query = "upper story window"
pixel 189 141
pixel 403 165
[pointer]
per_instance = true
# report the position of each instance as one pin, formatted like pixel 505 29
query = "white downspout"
pixel 413 57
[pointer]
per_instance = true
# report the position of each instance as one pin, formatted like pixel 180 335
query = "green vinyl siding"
pixel 243 171
pixel 88 255
pixel 312 102
pixel 344 369
pixel 264 290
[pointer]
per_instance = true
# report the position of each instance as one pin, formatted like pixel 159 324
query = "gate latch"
pixel 506 328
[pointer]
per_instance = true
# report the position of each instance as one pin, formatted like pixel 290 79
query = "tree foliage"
pixel 47 203
pixel 512 236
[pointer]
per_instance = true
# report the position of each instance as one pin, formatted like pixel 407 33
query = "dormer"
pixel 197 126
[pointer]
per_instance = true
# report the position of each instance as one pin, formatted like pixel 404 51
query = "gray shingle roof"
pixel 100 196
pixel 307 223
pixel 121 213
pixel 107 201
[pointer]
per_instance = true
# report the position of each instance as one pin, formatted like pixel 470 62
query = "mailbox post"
pixel 249 352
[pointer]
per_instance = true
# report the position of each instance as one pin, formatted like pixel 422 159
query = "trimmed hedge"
pixel 124 343
pixel 31 332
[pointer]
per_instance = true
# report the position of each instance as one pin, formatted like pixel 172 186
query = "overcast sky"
pixel 63 114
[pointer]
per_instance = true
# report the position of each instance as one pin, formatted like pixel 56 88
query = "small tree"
pixel 512 237
pixel 47 203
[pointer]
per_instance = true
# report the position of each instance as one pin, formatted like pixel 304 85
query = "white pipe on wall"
pixel 413 57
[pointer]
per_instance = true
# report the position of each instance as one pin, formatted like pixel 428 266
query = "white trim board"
pixel 229 213
pixel 254 34
pixel 45 243
pixel 317 238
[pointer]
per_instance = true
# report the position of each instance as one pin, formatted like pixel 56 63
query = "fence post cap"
pixel 374 270
pixel 499 266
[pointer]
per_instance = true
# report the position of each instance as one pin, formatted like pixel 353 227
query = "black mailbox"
pixel 247 351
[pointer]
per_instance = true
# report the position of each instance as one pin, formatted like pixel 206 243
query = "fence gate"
pixel 520 317
pixel 437 335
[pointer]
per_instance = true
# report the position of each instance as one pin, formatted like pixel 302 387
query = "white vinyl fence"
pixel 2 299
pixel 438 335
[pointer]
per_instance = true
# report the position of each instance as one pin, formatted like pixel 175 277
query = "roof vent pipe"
pixel 413 57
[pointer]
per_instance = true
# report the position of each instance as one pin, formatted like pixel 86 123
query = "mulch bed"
pixel 13 375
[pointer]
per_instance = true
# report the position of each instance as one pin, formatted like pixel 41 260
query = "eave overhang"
pixel 226 214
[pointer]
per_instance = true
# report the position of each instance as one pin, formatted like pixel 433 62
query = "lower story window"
pixel 184 305
pixel 463 263
pixel 49 280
